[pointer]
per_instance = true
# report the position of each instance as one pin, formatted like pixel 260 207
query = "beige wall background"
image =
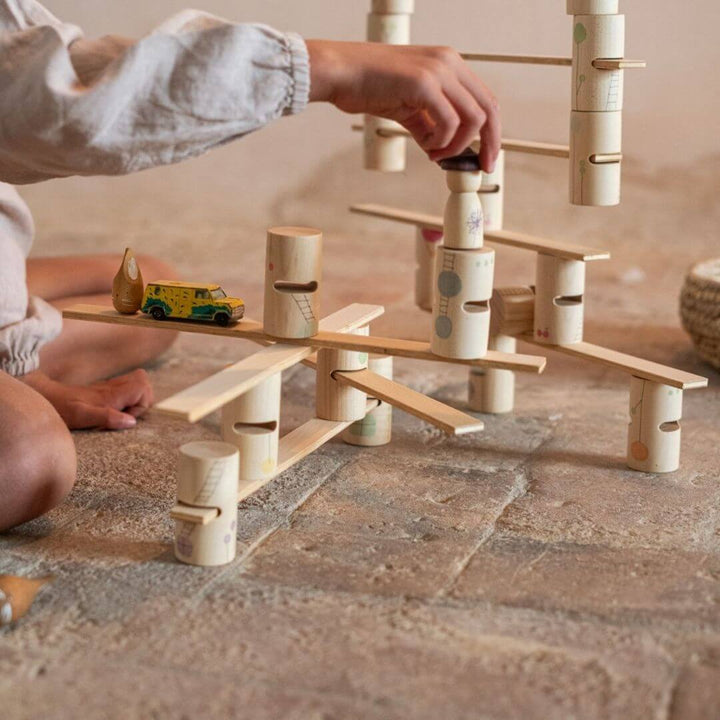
pixel 672 118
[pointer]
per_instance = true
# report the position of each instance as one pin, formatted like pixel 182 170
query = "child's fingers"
pixel 490 132
pixel 81 415
pixel 472 118
pixel 136 411
pixel 444 116
pixel 129 390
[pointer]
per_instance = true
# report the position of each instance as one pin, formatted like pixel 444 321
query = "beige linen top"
pixel 72 106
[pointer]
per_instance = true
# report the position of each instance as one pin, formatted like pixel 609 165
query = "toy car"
pixel 191 301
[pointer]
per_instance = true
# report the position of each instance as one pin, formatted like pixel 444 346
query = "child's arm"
pixel 75 107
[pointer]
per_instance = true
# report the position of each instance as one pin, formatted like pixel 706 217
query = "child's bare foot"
pixel 110 404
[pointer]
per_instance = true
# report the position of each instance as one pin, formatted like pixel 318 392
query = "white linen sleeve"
pixel 112 106
pixel 26 323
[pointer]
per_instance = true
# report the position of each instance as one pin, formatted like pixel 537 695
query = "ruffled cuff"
pixel 20 343
pixel 299 93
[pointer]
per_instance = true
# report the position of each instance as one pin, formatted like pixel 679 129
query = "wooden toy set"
pixel 473 323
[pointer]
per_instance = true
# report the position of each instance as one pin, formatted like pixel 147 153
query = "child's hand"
pixel 431 91
pixel 111 404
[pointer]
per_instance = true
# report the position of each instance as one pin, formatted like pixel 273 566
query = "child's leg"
pixel 86 352
pixel 37 454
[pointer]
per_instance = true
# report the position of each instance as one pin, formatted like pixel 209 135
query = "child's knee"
pixel 39 467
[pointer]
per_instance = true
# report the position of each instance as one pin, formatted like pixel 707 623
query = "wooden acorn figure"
pixel 17 595
pixel 128 287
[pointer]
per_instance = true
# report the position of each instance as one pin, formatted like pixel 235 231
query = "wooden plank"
pixel 299 443
pixel 500 237
pixel 560 61
pixel 448 419
pixel 418 350
pixel 197 401
pixel 639 367
pixel 192 514
pixel 545 246
pixel 250 330
pixel 618 64
pixel 529 147
pixel 100 313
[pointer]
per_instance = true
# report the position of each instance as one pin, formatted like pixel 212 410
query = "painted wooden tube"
pixel 491 390
pixel 594 37
pixel 593 7
pixel 512 310
pixel 292 282
pixel 493 201
pixel 376 427
pixel 128 287
pixel 463 219
pixel 559 306
pixel 206 511
pixel 389 22
pixel 461 306
pixel 594 134
pixel 654 430
pixel 251 422
pixel 426 245
pixel 333 401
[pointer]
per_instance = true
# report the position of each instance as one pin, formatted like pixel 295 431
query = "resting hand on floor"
pixel 110 404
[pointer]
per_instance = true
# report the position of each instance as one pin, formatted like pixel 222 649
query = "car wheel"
pixel 222 319
pixel 158 313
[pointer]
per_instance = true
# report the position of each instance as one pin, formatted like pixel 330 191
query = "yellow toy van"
pixel 191 301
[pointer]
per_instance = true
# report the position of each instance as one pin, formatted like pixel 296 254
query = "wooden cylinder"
pixel 491 390
pixel 393 7
pixel 251 422
pixel 654 430
pixel 593 7
pixel 389 22
pixel 594 134
pixel 376 427
pixel 594 37
pixel 337 402
pixel 559 289
pixel 512 310
pixel 389 28
pixel 386 154
pixel 426 245
pixel 463 219
pixel 292 281
pixel 493 201
pixel 461 306
pixel 207 478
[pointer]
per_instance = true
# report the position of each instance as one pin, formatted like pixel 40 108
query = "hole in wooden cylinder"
pixel 255 428
pixel 670 426
pixel 477 306
pixel 291 287
pixel 566 300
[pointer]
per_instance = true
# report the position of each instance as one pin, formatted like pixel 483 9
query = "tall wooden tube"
pixel 292 282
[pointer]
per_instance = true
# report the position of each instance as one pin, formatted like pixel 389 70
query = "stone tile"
pixel 626 585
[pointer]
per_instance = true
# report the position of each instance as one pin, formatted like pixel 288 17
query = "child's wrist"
pixel 328 69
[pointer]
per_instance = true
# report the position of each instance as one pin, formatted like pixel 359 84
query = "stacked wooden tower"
pixel 550 313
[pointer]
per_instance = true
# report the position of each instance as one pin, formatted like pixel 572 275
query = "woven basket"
pixel 700 309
